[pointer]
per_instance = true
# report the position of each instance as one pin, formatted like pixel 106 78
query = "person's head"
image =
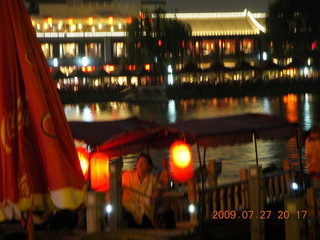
pixel 144 164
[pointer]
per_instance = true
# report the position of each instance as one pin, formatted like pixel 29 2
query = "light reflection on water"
pixel 304 109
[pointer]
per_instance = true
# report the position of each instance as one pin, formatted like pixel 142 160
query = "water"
pixel 304 109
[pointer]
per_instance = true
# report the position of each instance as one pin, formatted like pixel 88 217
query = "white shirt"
pixel 136 197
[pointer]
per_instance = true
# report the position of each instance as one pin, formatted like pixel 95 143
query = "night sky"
pixel 217 5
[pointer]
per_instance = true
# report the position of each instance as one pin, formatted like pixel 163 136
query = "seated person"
pixel 141 190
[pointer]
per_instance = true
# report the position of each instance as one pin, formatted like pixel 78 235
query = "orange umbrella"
pixel 38 162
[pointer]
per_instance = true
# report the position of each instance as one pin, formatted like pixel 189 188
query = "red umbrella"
pixel 38 162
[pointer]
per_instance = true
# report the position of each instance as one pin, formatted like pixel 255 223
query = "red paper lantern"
pixel 180 164
pixel 83 156
pixel 99 169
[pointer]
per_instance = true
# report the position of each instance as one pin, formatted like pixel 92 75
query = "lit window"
pixel 229 47
pixel 247 46
pixel 47 50
pixel 93 49
pixel 118 49
pixel 68 50
pixel 207 47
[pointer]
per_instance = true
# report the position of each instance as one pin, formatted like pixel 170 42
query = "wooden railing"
pixel 226 197
pixel 233 196
pixel 277 186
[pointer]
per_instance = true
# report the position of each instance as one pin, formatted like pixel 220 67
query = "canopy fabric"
pixel 141 139
pixel 117 138
pixel 38 160
pixel 237 129
pixel 95 133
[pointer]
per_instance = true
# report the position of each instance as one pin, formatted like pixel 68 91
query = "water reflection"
pixel 307 114
pixel 291 103
pixel 172 114
pixel 304 109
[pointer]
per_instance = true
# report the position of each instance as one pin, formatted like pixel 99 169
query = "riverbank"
pixel 201 90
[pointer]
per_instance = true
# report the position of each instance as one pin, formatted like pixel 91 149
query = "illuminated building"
pixel 95 32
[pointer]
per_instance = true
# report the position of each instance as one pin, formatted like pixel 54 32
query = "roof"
pixel 236 129
pixel 132 135
pixel 95 133
pixel 223 24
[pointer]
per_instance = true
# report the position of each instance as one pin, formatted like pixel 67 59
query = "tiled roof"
pixel 224 24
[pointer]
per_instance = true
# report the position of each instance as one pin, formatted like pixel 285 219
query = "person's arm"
pixel 157 190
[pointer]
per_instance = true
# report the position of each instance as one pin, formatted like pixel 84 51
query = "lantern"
pixel 180 164
pixel 99 169
pixel 83 156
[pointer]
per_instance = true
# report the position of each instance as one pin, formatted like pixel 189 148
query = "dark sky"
pixel 216 5
pixel 219 5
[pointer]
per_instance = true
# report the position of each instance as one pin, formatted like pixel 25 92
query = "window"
pixel 207 47
pixel 118 49
pixel 47 50
pixel 68 50
pixel 229 47
pixel 93 49
pixel 247 46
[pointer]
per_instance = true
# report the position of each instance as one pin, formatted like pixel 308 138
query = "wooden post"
pixel 312 214
pixel 212 173
pixel 192 198
pixel 115 167
pixel 297 215
pixel 287 175
pixel 244 176
pixel 256 198
pixel 95 211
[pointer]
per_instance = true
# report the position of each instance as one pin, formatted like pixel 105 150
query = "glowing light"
pixel 141 15
pixel 90 21
pixel 110 20
pixel 109 68
pixel 181 156
pixel 55 62
pixel 59 25
pixel 180 164
pixel 264 56
pixel 129 20
pixel 73 27
pixel 85 61
pixel 295 186
pixel 83 156
pixel 108 208
pixel 99 171
pixel 192 208
pixel 49 20
pixel 70 21
pixel 147 67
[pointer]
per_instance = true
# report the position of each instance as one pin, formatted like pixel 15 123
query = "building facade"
pixel 88 36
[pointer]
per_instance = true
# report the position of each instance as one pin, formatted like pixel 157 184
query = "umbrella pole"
pixel 202 187
pixel 255 148
pixel 30 229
